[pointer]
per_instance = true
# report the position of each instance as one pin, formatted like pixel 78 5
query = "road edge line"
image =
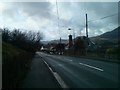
pixel 57 76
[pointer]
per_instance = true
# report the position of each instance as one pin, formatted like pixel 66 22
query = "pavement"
pixel 83 73
pixel 40 76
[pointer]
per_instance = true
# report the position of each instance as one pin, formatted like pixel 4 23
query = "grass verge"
pixel 15 65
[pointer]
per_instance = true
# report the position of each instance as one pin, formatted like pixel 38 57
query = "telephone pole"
pixel 74 35
pixel 86 33
pixel 86 26
pixel 58 19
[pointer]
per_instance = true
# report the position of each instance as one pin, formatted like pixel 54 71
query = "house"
pixel 80 45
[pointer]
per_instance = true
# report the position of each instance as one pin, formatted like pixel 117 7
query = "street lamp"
pixel 69 28
pixel 69 31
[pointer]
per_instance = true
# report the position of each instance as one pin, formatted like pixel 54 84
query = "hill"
pixel 111 36
pixel 55 41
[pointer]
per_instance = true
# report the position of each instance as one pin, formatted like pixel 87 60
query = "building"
pixel 81 45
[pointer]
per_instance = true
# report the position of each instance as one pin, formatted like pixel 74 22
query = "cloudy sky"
pixel 42 16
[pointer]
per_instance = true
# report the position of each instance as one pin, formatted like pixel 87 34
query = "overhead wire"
pixel 85 10
pixel 104 17
pixel 58 18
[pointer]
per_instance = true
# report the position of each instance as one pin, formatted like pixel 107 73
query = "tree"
pixel 5 34
pixel 28 41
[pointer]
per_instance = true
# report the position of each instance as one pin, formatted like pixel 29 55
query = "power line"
pixel 104 17
pixel 57 15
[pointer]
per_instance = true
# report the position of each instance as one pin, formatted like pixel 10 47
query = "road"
pixel 83 73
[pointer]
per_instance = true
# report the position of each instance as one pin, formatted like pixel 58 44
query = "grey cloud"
pixel 44 10
pixel 39 9
pixel 31 9
pixel 97 10
pixel 102 9
pixel 9 11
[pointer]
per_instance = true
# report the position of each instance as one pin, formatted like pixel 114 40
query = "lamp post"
pixel 69 29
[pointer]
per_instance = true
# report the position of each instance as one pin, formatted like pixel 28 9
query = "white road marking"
pixel 69 60
pixel 91 66
pixel 59 79
pixel 60 65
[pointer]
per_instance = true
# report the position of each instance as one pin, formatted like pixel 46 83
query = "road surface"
pixel 83 73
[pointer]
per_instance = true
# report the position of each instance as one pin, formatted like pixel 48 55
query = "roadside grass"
pixel 15 65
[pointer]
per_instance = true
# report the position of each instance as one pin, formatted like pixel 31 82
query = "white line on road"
pixel 92 67
pixel 57 77
pixel 60 65
pixel 69 60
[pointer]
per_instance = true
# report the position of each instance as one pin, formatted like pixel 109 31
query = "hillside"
pixel 55 41
pixel 58 41
pixel 111 36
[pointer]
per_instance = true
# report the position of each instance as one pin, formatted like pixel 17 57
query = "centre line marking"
pixel 92 67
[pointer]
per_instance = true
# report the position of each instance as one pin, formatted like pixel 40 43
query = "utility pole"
pixel 60 40
pixel 58 19
pixel 86 32
pixel 74 41
pixel 86 26
pixel 74 35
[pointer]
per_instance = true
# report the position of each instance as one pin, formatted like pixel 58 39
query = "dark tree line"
pixel 29 41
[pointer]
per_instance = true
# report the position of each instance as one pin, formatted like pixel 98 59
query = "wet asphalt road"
pixel 83 73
